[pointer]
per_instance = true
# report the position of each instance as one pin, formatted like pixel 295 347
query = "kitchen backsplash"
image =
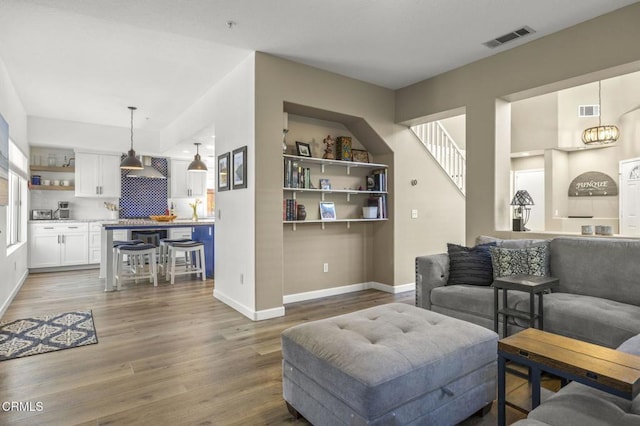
pixel 79 208
pixel 143 197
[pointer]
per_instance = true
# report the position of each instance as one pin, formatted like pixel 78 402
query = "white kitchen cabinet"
pixel 186 184
pixel 180 233
pixel 58 244
pixel 97 175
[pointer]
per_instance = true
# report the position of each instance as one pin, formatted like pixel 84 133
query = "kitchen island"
pixel 202 230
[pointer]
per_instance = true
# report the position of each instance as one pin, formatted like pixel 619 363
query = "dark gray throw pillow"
pixel 470 265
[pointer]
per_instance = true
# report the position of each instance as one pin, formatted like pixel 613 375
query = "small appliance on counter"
pixel 63 210
pixel 41 214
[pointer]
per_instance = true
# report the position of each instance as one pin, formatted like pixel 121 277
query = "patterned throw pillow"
pixel 526 261
pixel 470 265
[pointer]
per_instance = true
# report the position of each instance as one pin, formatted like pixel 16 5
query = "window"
pixel 17 209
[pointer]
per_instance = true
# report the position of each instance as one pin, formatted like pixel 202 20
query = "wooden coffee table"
pixel 609 370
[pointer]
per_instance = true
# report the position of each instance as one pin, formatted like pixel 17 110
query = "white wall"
pixel 13 264
pixel 230 105
pixel 71 134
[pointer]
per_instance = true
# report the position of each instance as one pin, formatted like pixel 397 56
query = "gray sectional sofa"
pixel 598 299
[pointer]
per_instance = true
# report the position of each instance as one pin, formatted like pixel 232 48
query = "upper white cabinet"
pixel 185 184
pixel 97 175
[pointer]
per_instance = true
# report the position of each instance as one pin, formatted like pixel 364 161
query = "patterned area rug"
pixel 49 333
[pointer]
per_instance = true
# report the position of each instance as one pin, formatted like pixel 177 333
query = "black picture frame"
pixel 223 171
pixel 239 178
pixel 304 149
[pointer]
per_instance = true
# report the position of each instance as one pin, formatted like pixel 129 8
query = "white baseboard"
pixel 248 312
pixel 334 291
pixel 13 294
pixel 393 289
pixel 309 295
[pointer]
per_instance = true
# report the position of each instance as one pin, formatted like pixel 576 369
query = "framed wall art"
pixel 223 172
pixel 240 168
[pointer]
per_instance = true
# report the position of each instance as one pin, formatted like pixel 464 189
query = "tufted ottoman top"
pixel 380 357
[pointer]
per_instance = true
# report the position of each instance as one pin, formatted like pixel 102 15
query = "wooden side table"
pixel 531 284
pixel 609 370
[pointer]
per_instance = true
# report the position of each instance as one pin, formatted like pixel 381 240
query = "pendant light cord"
pixel 600 103
pixel 132 109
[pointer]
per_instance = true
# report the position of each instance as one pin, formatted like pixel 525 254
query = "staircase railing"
pixel 445 151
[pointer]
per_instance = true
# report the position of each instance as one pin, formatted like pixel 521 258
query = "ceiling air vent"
pixel 588 110
pixel 513 35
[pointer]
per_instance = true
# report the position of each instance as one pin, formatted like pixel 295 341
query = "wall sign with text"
pixel 593 184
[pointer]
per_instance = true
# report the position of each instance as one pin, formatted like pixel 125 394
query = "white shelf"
pixel 323 222
pixel 339 163
pixel 340 191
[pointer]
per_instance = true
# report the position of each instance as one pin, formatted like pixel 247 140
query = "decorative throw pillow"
pixel 470 265
pixel 525 261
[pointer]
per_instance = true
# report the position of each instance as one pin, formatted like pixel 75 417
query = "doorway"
pixel 630 197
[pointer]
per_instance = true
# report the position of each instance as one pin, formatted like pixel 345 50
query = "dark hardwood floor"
pixel 168 355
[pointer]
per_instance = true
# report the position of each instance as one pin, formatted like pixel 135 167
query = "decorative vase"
pixel 301 213
pixel 194 216
pixel 284 140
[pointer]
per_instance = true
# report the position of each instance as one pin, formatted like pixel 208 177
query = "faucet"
pixel 68 162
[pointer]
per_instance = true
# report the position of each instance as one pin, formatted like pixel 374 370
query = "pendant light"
pixel 131 162
pixel 600 135
pixel 197 165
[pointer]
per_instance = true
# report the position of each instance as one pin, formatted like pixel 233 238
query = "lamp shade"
pixel 522 198
pixel 131 162
pixel 197 165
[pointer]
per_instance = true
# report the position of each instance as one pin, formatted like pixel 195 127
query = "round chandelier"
pixel 600 135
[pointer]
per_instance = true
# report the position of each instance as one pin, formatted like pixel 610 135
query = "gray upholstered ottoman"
pixel 393 364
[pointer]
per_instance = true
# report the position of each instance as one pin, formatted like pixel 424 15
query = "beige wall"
pixel 560 60
pixel 394 244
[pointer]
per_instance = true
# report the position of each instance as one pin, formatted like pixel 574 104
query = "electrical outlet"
pixel 325 267
pixel 414 213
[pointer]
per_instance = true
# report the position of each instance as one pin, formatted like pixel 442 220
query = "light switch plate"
pixel 414 213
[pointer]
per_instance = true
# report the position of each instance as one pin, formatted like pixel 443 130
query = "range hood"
pixel 148 171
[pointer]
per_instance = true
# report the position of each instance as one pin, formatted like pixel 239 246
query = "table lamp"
pixel 521 199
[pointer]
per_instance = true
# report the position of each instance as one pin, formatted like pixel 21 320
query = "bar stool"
pixel 163 253
pixel 195 265
pixel 119 243
pixel 136 254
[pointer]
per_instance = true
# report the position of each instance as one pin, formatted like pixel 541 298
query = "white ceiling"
pixel 87 60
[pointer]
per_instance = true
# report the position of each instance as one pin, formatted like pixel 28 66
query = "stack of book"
pixel 289 209
pixel 380 201
pixel 377 181
pixel 296 176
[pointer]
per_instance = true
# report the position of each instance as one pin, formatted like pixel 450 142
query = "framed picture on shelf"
pixel 325 184
pixel 239 168
pixel 359 156
pixel 327 210
pixel 223 171
pixel 304 149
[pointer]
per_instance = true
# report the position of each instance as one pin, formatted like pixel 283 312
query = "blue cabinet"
pixel 205 235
